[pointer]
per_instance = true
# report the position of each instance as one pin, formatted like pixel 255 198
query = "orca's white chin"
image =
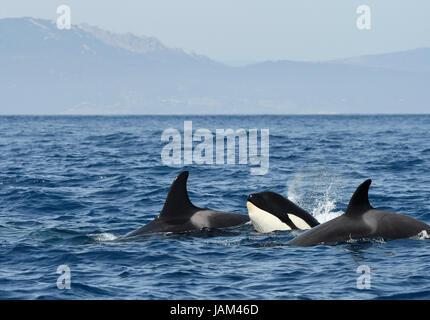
pixel 263 221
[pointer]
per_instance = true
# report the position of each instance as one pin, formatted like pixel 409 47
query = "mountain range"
pixel 87 70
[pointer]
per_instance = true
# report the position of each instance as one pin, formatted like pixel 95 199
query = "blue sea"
pixel 71 186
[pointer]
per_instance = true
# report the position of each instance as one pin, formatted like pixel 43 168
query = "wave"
pixel 102 237
pixel 323 204
pixel 423 235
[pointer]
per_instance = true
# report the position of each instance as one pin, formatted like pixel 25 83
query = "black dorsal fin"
pixel 359 202
pixel 178 204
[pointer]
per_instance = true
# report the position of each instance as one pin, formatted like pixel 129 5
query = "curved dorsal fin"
pixel 178 204
pixel 359 202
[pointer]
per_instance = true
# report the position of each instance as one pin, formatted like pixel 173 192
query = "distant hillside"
pixel 87 70
pixel 417 60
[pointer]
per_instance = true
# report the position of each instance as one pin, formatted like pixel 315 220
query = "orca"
pixel 180 215
pixel 362 221
pixel 269 211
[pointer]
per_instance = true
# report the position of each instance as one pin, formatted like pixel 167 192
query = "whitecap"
pixel 323 206
pixel 101 237
pixel 423 235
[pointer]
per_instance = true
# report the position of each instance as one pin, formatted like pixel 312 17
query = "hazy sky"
pixel 252 30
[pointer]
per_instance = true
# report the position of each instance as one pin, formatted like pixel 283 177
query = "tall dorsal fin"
pixel 178 204
pixel 359 202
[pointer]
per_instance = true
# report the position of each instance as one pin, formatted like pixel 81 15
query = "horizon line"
pixel 209 114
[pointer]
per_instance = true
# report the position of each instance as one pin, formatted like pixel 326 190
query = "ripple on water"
pixel 71 187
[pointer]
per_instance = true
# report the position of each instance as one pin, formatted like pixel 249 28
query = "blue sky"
pixel 252 30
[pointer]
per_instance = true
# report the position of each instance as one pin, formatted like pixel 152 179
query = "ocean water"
pixel 71 186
